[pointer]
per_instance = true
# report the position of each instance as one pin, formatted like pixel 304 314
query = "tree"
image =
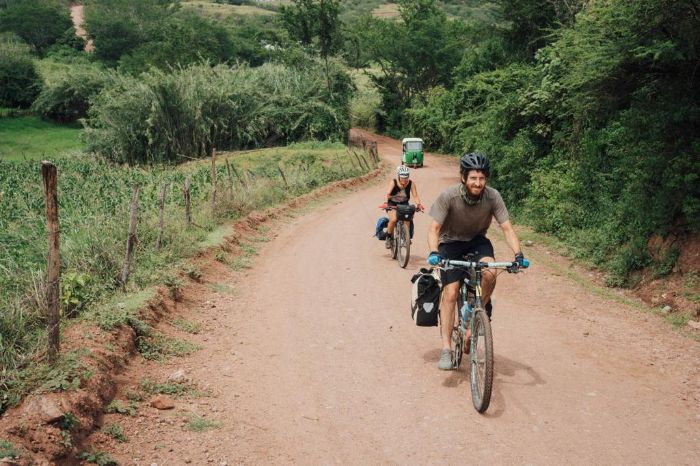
pixel 40 23
pixel 118 27
pixel 414 54
pixel 315 22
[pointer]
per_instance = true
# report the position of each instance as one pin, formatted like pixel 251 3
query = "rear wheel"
pixel 404 245
pixel 481 361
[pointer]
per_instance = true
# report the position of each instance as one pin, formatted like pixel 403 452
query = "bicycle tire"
pixel 481 361
pixel 458 344
pixel 404 246
pixel 395 243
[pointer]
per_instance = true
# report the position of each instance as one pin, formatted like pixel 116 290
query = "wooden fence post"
pixel 230 178
pixel 213 182
pixel 364 160
pixel 284 178
pixel 339 161
pixel 188 202
pixel 161 221
pixel 131 239
pixel 53 269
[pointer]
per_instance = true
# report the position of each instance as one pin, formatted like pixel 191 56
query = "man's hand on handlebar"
pixel 435 258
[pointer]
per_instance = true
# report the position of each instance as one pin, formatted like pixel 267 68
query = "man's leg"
pixel 488 281
pixel 447 313
pixel 447 321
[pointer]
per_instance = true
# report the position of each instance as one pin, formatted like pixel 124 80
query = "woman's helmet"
pixel 402 171
pixel 474 161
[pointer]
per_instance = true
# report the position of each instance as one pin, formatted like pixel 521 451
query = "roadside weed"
pixel 116 432
pixel 197 423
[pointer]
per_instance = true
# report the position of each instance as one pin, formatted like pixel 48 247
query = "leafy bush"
pixel 20 82
pixel 67 99
pixel 596 141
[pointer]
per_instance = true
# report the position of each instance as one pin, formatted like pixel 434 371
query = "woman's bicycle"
pixel 401 243
pixel 471 333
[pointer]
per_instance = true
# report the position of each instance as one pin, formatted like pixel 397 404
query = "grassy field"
pixel 388 10
pixel 31 138
pixel 220 11
pixel 94 209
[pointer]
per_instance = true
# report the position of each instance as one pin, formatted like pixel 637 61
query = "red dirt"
pixel 310 357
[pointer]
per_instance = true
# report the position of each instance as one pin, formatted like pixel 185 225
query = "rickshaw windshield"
pixel 414 145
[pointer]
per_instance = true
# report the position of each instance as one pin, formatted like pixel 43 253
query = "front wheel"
pixel 481 361
pixel 404 244
pixel 395 242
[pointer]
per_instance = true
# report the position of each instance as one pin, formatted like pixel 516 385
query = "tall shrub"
pixel 172 116
pixel 20 82
pixel 68 98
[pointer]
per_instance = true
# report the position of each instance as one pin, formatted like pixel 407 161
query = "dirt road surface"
pixel 312 358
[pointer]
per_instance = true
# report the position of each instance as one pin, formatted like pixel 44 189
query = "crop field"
pixel 94 197
pixel 31 138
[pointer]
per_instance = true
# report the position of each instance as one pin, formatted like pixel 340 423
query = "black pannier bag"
pixel 405 212
pixel 425 299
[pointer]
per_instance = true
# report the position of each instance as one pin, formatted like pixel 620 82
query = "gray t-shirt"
pixel 462 222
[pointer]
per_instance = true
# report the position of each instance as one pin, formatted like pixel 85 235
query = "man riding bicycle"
pixel 461 215
pixel 400 191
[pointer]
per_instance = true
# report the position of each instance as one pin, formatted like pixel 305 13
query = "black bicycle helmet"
pixel 474 161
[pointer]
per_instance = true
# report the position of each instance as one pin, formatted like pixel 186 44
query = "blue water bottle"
pixel 466 312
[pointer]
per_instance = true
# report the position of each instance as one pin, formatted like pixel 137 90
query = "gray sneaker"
pixel 389 242
pixel 445 362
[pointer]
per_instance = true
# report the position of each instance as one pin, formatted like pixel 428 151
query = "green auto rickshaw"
pixel 412 152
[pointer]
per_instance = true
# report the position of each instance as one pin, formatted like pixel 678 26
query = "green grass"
pixel 32 138
pixel 188 389
pixel 197 423
pixel 186 325
pixel 222 288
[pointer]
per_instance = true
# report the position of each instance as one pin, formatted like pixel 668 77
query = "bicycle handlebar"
pixel 509 266
pixel 396 207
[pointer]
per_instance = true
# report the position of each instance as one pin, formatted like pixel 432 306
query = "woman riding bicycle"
pixel 400 191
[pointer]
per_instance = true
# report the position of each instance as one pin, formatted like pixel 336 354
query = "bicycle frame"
pixel 472 315
pixel 401 249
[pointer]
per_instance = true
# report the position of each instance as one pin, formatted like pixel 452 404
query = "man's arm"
pixel 511 236
pixel 434 236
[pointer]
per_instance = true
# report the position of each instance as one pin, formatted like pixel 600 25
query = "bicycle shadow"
pixel 510 372
pixel 507 372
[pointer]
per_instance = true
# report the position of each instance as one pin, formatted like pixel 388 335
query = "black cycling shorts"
pixel 480 246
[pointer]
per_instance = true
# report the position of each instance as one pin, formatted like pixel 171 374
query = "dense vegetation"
pixel 589 109
pixel 169 117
